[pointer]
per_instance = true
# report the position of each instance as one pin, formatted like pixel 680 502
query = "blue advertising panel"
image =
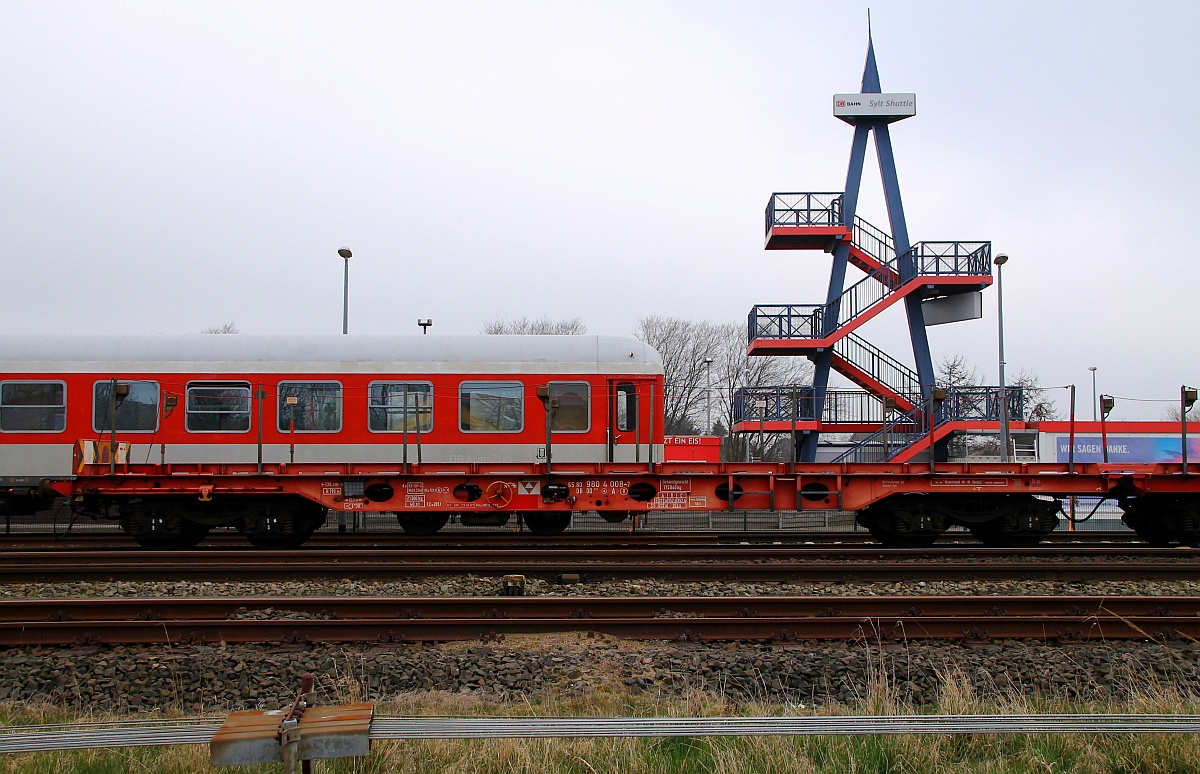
pixel 1127 448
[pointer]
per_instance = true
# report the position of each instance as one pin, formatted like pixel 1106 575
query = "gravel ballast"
pixel 481 586
pixel 203 679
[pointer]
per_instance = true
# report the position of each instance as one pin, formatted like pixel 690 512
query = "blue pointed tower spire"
pixel 870 79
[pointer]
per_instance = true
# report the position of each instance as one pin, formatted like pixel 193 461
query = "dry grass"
pixel 892 754
pixel 885 695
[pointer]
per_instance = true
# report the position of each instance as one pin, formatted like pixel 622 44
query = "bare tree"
pixel 1172 414
pixel 732 369
pixel 1038 406
pixel 684 346
pixel 955 371
pixel 229 327
pixel 543 326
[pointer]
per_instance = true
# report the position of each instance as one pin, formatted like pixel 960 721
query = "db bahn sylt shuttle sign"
pixel 888 107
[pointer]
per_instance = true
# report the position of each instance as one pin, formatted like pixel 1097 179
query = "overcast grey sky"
pixel 170 166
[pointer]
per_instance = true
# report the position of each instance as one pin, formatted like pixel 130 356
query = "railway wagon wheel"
pixel 902 522
pixel 282 526
pixel 421 524
pixel 1158 520
pixel 160 528
pixel 992 534
pixel 546 524
pixel 180 538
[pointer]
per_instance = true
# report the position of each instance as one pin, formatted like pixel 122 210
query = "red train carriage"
pixel 269 402
pixel 175 435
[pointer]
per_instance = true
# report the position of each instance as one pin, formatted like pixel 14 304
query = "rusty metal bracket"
pixel 295 736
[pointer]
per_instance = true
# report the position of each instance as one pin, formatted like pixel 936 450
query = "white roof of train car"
pixel 242 353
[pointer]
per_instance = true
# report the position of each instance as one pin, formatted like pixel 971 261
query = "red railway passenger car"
pixel 325 400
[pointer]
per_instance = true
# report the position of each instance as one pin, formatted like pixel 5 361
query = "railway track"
pixel 46 540
pixel 780 619
pixel 758 562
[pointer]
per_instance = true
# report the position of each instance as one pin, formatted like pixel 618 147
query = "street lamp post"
pixel 708 361
pixel 346 254
pixel 1093 370
pixel 1000 260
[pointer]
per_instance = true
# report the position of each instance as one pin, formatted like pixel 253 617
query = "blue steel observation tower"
pixel 902 410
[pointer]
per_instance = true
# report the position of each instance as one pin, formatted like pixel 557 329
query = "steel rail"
pixel 974 618
pixel 743 562
pixel 64 737
pixel 508 539
pixel 587 608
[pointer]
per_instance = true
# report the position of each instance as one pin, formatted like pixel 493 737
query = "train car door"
pixel 625 431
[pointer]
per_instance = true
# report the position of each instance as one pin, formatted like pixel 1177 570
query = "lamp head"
pixel 1000 259
pixel 345 252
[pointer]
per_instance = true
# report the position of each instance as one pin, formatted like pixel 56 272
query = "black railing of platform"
pixel 804 209
pixel 980 403
pixel 960 404
pixel 933 259
pixel 787 402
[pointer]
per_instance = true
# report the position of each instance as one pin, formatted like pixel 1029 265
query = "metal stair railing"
pixel 873 241
pixel 870 359
pixel 895 436
pixel 804 321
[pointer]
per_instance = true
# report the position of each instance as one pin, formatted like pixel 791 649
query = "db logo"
pixel 841 103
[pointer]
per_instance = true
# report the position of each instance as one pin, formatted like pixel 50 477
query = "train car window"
pixel 573 412
pixel 626 406
pixel 397 406
pixel 317 409
pixel 33 407
pixel 491 407
pixel 137 412
pixel 218 407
